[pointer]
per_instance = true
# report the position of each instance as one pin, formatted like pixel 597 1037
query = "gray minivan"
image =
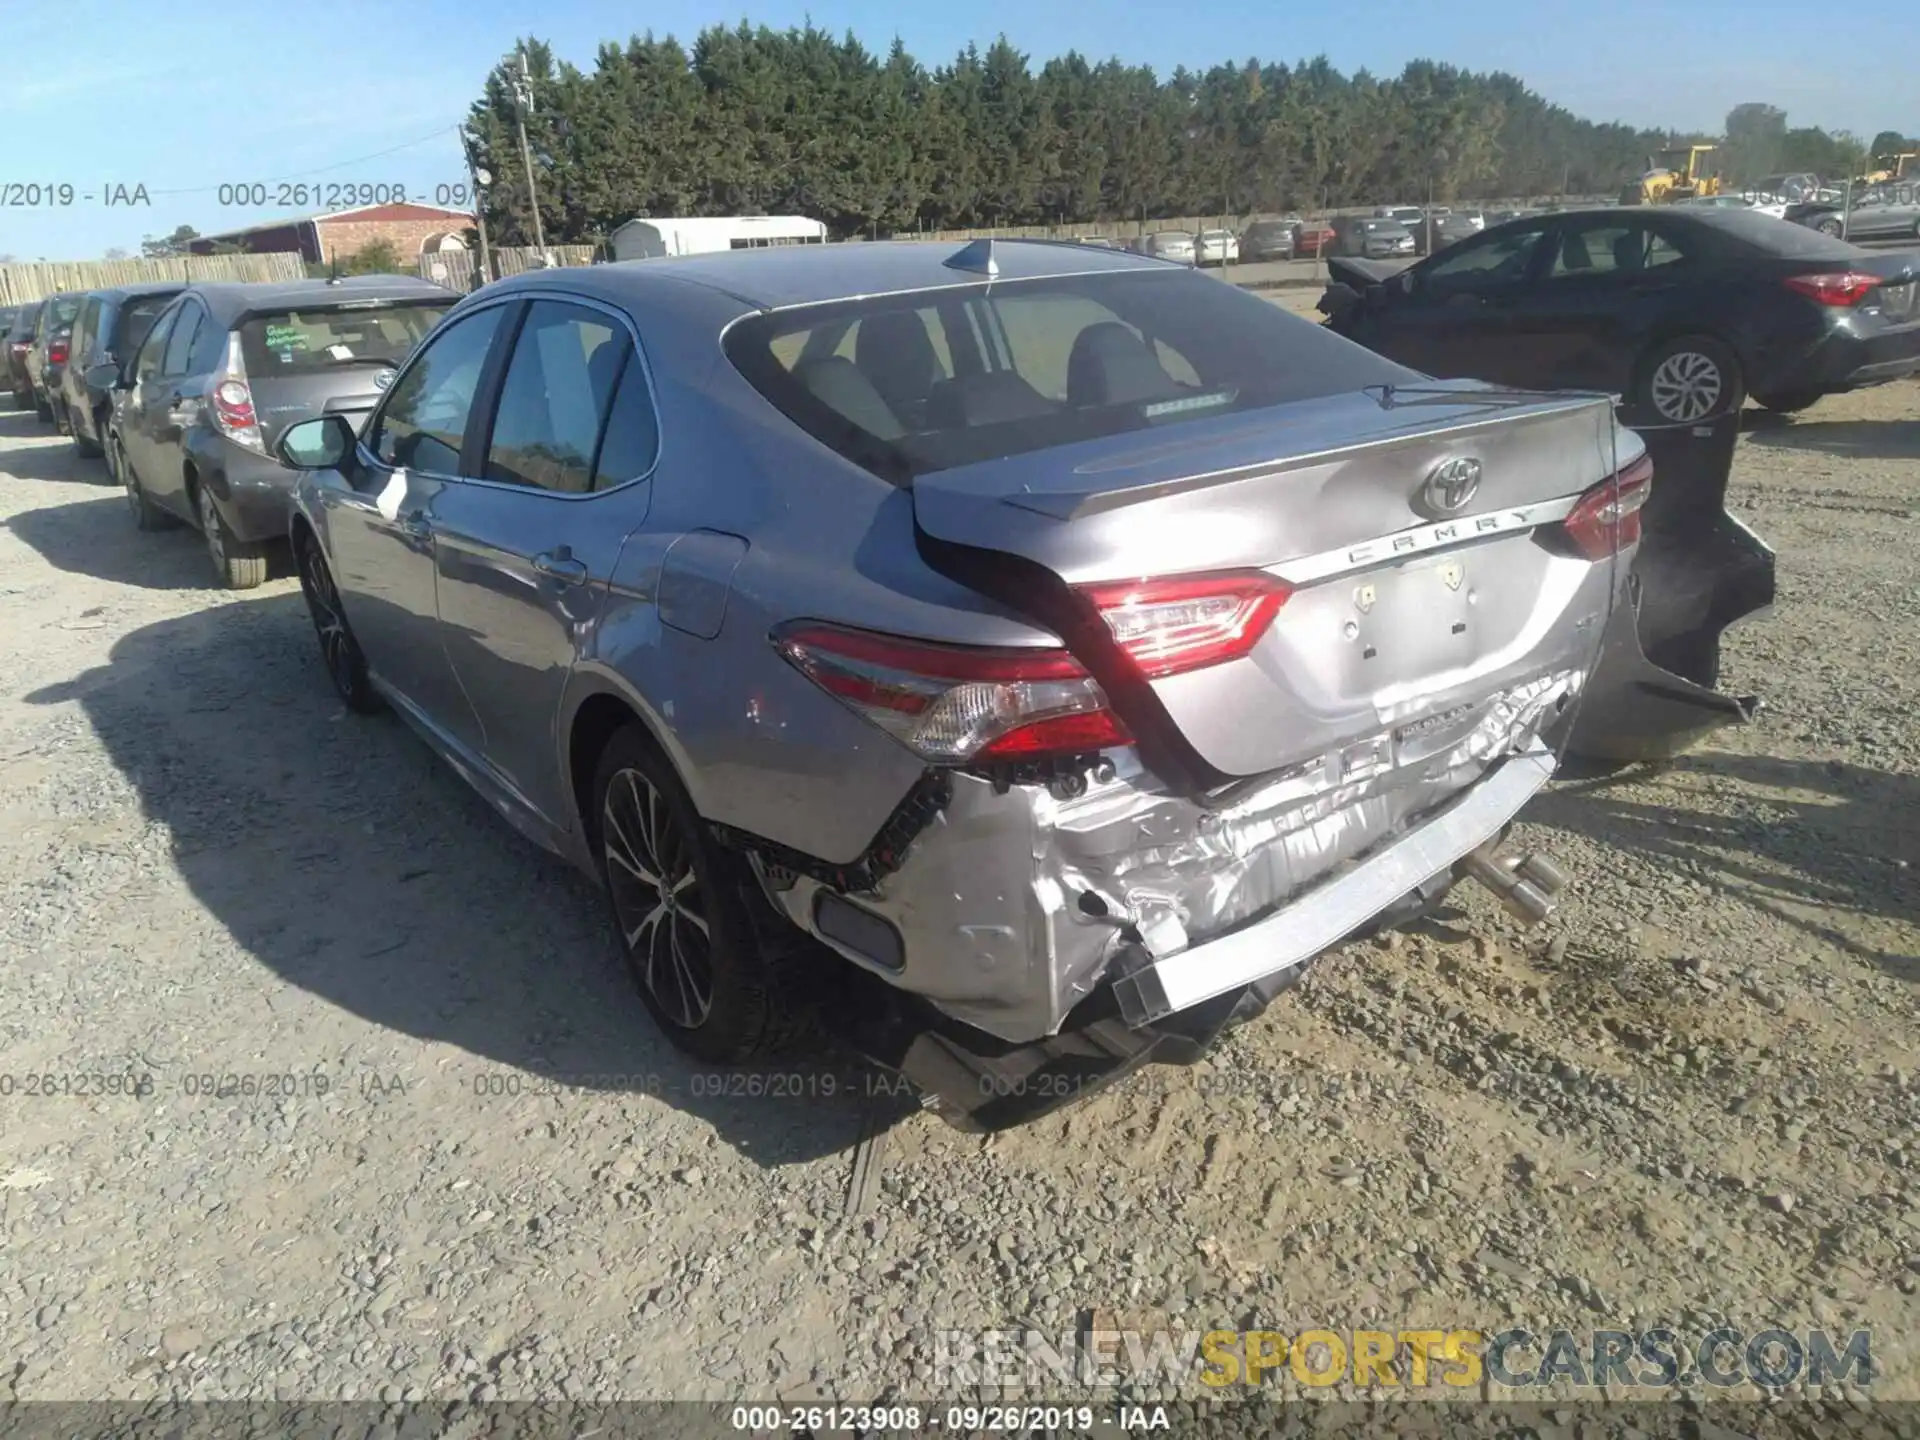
pixel 224 370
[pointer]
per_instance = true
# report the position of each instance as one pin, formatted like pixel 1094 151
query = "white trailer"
pixel 651 239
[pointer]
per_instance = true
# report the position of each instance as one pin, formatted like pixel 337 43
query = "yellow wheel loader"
pixel 1890 169
pixel 1682 173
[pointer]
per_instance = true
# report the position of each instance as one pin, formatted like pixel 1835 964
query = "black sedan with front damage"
pixel 1685 311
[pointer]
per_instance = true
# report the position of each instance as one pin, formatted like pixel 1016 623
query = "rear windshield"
pixel 135 319
pixel 306 342
pixel 23 323
pixel 910 384
pixel 60 311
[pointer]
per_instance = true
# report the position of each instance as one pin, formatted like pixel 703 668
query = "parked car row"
pixel 184 389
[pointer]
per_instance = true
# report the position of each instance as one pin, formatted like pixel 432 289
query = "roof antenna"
pixel 333 264
pixel 976 256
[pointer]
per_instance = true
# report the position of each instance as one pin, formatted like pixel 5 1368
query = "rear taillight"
pixel 232 401
pixel 56 352
pixel 1172 626
pixel 1844 288
pixel 1607 519
pixel 954 704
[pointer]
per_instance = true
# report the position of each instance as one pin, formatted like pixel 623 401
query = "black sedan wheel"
pixel 346 665
pixel 679 904
pixel 1690 380
pixel 1829 226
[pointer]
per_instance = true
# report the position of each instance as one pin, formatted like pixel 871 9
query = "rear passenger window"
pixel 633 431
pixel 180 343
pixel 559 384
pixel 209 349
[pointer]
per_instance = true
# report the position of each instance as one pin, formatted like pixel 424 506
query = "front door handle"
pixel 560 565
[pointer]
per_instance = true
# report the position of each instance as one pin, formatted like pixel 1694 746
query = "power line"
pixel 303 173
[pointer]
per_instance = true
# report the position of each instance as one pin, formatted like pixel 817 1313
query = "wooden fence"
pixel 21 282
pixel 455 269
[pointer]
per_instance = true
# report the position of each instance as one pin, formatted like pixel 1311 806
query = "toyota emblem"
pixel 1451 485
pixel 382 379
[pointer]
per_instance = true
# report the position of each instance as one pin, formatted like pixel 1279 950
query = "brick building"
pixel 413 230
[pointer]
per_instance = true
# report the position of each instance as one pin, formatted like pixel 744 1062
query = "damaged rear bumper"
pixel 1013 910
pixel 1335 909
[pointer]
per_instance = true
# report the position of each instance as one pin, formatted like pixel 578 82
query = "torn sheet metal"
pixel 1014 907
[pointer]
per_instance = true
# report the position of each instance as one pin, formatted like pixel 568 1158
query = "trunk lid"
pixel 1403 607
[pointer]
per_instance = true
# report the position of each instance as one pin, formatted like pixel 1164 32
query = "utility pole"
pixel 523 102
pixel 481 179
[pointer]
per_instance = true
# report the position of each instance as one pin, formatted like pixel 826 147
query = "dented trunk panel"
pixel 1411 596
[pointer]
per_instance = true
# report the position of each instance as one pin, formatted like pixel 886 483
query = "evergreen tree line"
pixel 754 120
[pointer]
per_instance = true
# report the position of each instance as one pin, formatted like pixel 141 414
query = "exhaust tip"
pixel 1526 885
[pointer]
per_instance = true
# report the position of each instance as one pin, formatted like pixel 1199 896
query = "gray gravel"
pixel 1692 1097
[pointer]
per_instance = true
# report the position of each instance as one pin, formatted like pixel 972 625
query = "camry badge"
pixel 1451 485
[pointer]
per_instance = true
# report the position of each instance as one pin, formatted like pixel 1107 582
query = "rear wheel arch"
pixel 596 720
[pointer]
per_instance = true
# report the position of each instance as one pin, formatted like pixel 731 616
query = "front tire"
pixel 680 908
pixel 1829 226
pixel 1690 380
pixel 240 564
pixel 339 651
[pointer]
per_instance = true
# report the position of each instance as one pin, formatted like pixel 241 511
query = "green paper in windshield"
pixel 286 337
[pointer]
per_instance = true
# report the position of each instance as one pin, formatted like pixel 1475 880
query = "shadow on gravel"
pixel 56 463
pixel 1823 835
pixel 1845 439
pixel 346 858
pixel 97 537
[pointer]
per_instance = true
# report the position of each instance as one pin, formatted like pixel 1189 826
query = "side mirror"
pixel 104 375
pixel 1339 299
pixel 316 444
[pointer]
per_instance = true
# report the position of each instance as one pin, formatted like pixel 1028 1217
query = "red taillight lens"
pixel 233 405
pixel 56 352
pixel 1844 289
pixel 1607 519
pixel 1169 627
pixel 955 704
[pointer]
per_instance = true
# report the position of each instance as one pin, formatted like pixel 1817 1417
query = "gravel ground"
pixel 1690 1098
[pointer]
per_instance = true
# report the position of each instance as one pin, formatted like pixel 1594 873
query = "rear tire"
pixel 240 564
pixel 681 909
pixel 1790 402
pixel 43 410
pixel 147 516
pixel 1829 226
pixel 86 449
pixel 1689 380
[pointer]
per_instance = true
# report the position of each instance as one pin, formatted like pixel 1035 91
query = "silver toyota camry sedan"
pixel 1070 641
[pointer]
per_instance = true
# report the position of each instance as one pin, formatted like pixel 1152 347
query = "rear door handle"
pixel 560 565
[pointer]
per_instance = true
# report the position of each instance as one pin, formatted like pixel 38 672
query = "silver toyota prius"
pixel 1072 642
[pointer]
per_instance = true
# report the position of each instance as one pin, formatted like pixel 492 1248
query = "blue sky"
pixel 181 100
